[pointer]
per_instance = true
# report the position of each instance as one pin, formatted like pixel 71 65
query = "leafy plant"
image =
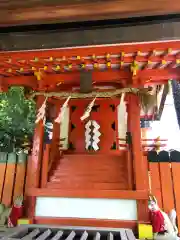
pixel 17 116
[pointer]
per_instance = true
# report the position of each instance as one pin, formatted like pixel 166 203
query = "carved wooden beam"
pixel 122 65
pixel 3 85
pixel 49 82
pixel 83 10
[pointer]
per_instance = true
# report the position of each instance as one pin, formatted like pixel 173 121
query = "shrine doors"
pixel 103 117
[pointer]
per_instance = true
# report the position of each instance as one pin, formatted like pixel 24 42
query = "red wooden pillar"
pixel 133 109
pixel 37 151
pixel 139 165
pixel 34 166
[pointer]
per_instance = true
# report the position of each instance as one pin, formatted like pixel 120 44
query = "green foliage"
pixel 17 116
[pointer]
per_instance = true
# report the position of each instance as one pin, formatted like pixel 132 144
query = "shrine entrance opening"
pixel 92 160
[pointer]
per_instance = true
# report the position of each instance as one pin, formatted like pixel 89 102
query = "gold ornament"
pixel 134 68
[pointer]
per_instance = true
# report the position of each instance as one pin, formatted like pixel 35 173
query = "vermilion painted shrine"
pixel 94 170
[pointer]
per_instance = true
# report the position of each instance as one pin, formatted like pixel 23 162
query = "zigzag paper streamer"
pixel 94 138
pixel 87 134
pixel 60 117
pixel 96 135
pixel 41 115
pixel 88 110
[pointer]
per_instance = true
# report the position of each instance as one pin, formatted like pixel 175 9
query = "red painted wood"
pixel 19 180
pixel 139 165
pixel 156 182
pixel 9 184
pixel 45 166
pixel 90 171
pixel 37 151
pixel 109 77
pixel 133 109
pixel 176 185
pixel 29 209
pixel 72 78
pixel 143 211
pixel 108 135
pixel 130 174
pixel 28 175
pixel 2 176
pixel 86 222
pixel 77 135
pixel 167 187
pixel 146 169
pixel 110 194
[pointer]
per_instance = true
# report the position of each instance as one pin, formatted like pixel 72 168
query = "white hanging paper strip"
pixel 88 143
pixel 95 125
pixel 41 115
pixel 122 98
pixel 94 138
pixel 95 146
pixel 96 135
pixel 87 134
pixel 60 117
pixel 122 120
pixel 88 110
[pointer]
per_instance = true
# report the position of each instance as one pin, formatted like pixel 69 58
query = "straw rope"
pixel 93 94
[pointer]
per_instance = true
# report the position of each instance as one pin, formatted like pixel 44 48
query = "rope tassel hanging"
pixel 41 115
pixel 60 117
pixel 122 98
pixel 88 110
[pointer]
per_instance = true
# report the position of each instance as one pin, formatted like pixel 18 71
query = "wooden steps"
pixel 101 186
pixel 90 171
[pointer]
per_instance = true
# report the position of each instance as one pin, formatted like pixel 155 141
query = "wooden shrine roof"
pixel 122 65
pixel 93 33
pixel 19 12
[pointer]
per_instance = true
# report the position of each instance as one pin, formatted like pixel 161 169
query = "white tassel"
pixel 122 98
pixel 88 110
pixel 60 117
pixel 41 115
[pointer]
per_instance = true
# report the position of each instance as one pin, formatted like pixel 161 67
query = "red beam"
pixel 16 64
pixel 122 194
pixel 90 222
pixel 106 77
pixel 27 81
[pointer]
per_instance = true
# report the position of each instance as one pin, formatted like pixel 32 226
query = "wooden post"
pixel 139 166
pixel 133 109
pixel 45 166
pixel 37 151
